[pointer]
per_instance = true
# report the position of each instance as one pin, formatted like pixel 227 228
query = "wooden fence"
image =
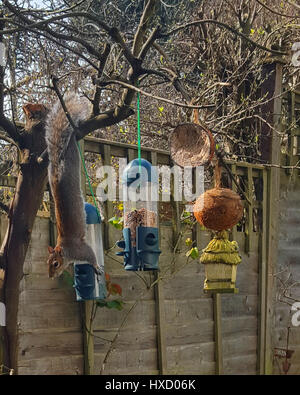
pixel 171 327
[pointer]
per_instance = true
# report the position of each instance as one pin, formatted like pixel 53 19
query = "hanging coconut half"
pixel 218 209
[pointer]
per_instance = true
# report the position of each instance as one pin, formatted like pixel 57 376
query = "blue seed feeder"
pixel 87 284
pixel 140 232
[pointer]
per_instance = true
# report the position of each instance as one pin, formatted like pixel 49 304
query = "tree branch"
pixel 5 123
pixel 97 94
pixel 224 25
pixel 126 85
pixel 273 11
pixel 44 25
pixel 143 25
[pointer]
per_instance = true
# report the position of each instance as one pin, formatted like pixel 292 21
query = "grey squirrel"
pixel 64 180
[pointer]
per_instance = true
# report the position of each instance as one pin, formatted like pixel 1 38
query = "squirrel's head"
pixel 55 262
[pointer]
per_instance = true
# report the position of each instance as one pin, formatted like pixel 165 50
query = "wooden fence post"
pixel 262 278
pixel 160 308
pixel 273 212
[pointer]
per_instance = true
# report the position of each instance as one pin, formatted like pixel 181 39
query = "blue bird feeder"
pixel 89 286
pixel 141 240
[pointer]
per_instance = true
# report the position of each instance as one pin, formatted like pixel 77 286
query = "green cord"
pixel 139 130
pixel 139 153
pixel 88 179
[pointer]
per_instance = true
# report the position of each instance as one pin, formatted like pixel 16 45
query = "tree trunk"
pixel 26 202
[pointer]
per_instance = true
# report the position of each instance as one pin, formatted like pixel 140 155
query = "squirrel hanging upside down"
pixel 64 180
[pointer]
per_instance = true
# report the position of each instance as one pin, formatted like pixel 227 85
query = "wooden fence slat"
pixel 249 222
pixel 234 188
pixel 161 325
pixel 217 311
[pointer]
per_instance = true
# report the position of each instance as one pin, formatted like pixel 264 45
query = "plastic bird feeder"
pixel 140 232
pixel 87 284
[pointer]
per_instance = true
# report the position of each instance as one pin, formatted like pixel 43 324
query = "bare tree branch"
pixel 97 94
pixel 226 26
pixel 275 12
pixel 7 125
pixel 173 102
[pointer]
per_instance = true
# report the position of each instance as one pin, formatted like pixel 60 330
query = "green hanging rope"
pixel 88 179
pixel 139 130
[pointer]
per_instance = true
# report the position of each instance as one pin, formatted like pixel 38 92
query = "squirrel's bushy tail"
pixel 58 129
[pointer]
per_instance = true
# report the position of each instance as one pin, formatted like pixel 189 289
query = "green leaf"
pixel 193 253
pixel 117 222
pixel 188 241
pixel 115 304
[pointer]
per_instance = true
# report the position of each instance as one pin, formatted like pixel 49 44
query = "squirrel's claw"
pixel 99 272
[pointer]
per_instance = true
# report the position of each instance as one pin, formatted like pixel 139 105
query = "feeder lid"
pixel 221 250
pixel 92 216
pixel 133 172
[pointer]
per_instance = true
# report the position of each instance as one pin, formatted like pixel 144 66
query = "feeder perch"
pixel 87 284
pixel 140 232
pixel 220 258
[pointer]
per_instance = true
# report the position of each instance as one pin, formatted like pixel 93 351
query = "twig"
pixel 220 157
pixel 4 207
pixel 222 24
pixel 173 102
pixel 117 335
pixel 273 11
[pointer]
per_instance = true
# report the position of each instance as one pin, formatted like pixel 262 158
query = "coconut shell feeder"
pixel 218 208
pixel 192 144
